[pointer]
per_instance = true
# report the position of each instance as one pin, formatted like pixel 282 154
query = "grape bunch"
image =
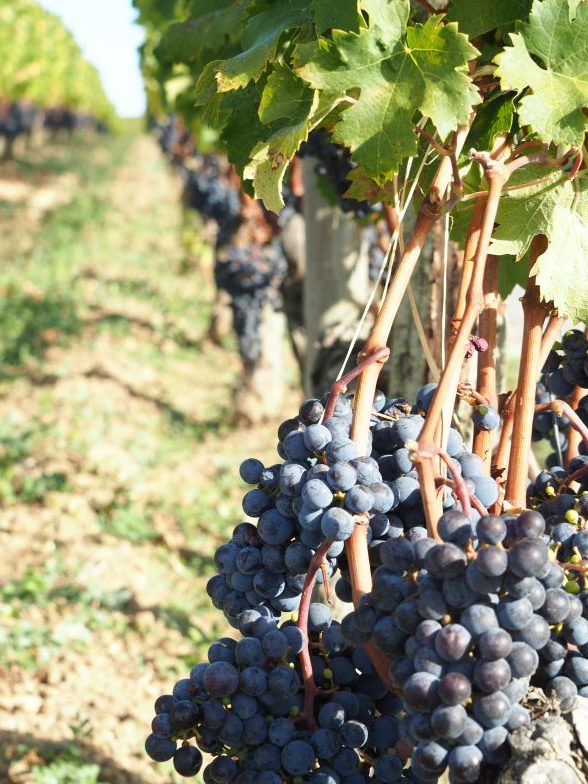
pixel 335 165
pixel 214 197
pixel 565 368
pixel 245 707
pixel 469 623
pixel 12 122
pixel 317 491
pixel 252 275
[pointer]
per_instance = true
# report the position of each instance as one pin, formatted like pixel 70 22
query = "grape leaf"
pixel 475 17
pixel 512 273
pixel 335 14
pixel 558 209
pixel 269 161
pixel 574 7
pixel 399 73
pixel 260 40
pixel 555 107
pixel 183 42
pixel 492 118
pixel 284 96
pixel 363 188
pixel 243 129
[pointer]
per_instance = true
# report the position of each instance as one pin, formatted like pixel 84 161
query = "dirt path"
pixel 117 476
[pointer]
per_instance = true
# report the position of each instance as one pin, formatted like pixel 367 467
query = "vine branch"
pixel 502 455
pixel 534 315
pixel 497 176
pixel 486 378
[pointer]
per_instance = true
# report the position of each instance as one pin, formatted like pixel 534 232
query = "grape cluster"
pixel 469 624
pixel 13 120
pixel 18 118
pixel 245 707
pixel 317 491
pixel 565 368
pixel 214 197
pixel 335 165
pixel 252 275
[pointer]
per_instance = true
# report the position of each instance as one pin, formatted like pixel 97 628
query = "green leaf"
pixel 363 188
pixel 243 130
pixel 476 17
pixel 492 118
pixel 260 40
pixel 183 42
pixel 512 273
pixel 559 210
pixel 270 161
pixel 400 74
pixel 574 7
pixel 284 96
pixel 335 14
pixel 555 107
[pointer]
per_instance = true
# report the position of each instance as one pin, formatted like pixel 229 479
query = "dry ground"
pixel 117 460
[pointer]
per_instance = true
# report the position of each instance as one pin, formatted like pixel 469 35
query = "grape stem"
pixel 461 491
pixel 579 474
pixel 486 379
pixel 310 688
pixel 474 500
pixel 339 387
pixel 561 408
pixel 534 313
pixel 444 400
pixel 471 395
pixel 573 567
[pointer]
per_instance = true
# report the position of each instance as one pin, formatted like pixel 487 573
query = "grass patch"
pixel 22 477
pixel 30 323
pixel 129 523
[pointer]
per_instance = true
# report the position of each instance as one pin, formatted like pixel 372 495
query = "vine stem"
pixel 497 175
pixel 486 378
pixel 471 243
pixel 429 211
pixel 356 549
pixel 561 408
pixel 524 405
pixel 310 688
pixel 502 454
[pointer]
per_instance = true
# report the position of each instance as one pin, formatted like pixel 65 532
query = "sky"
pixel 106 32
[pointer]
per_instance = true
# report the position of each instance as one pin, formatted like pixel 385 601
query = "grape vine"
pixel 468 582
